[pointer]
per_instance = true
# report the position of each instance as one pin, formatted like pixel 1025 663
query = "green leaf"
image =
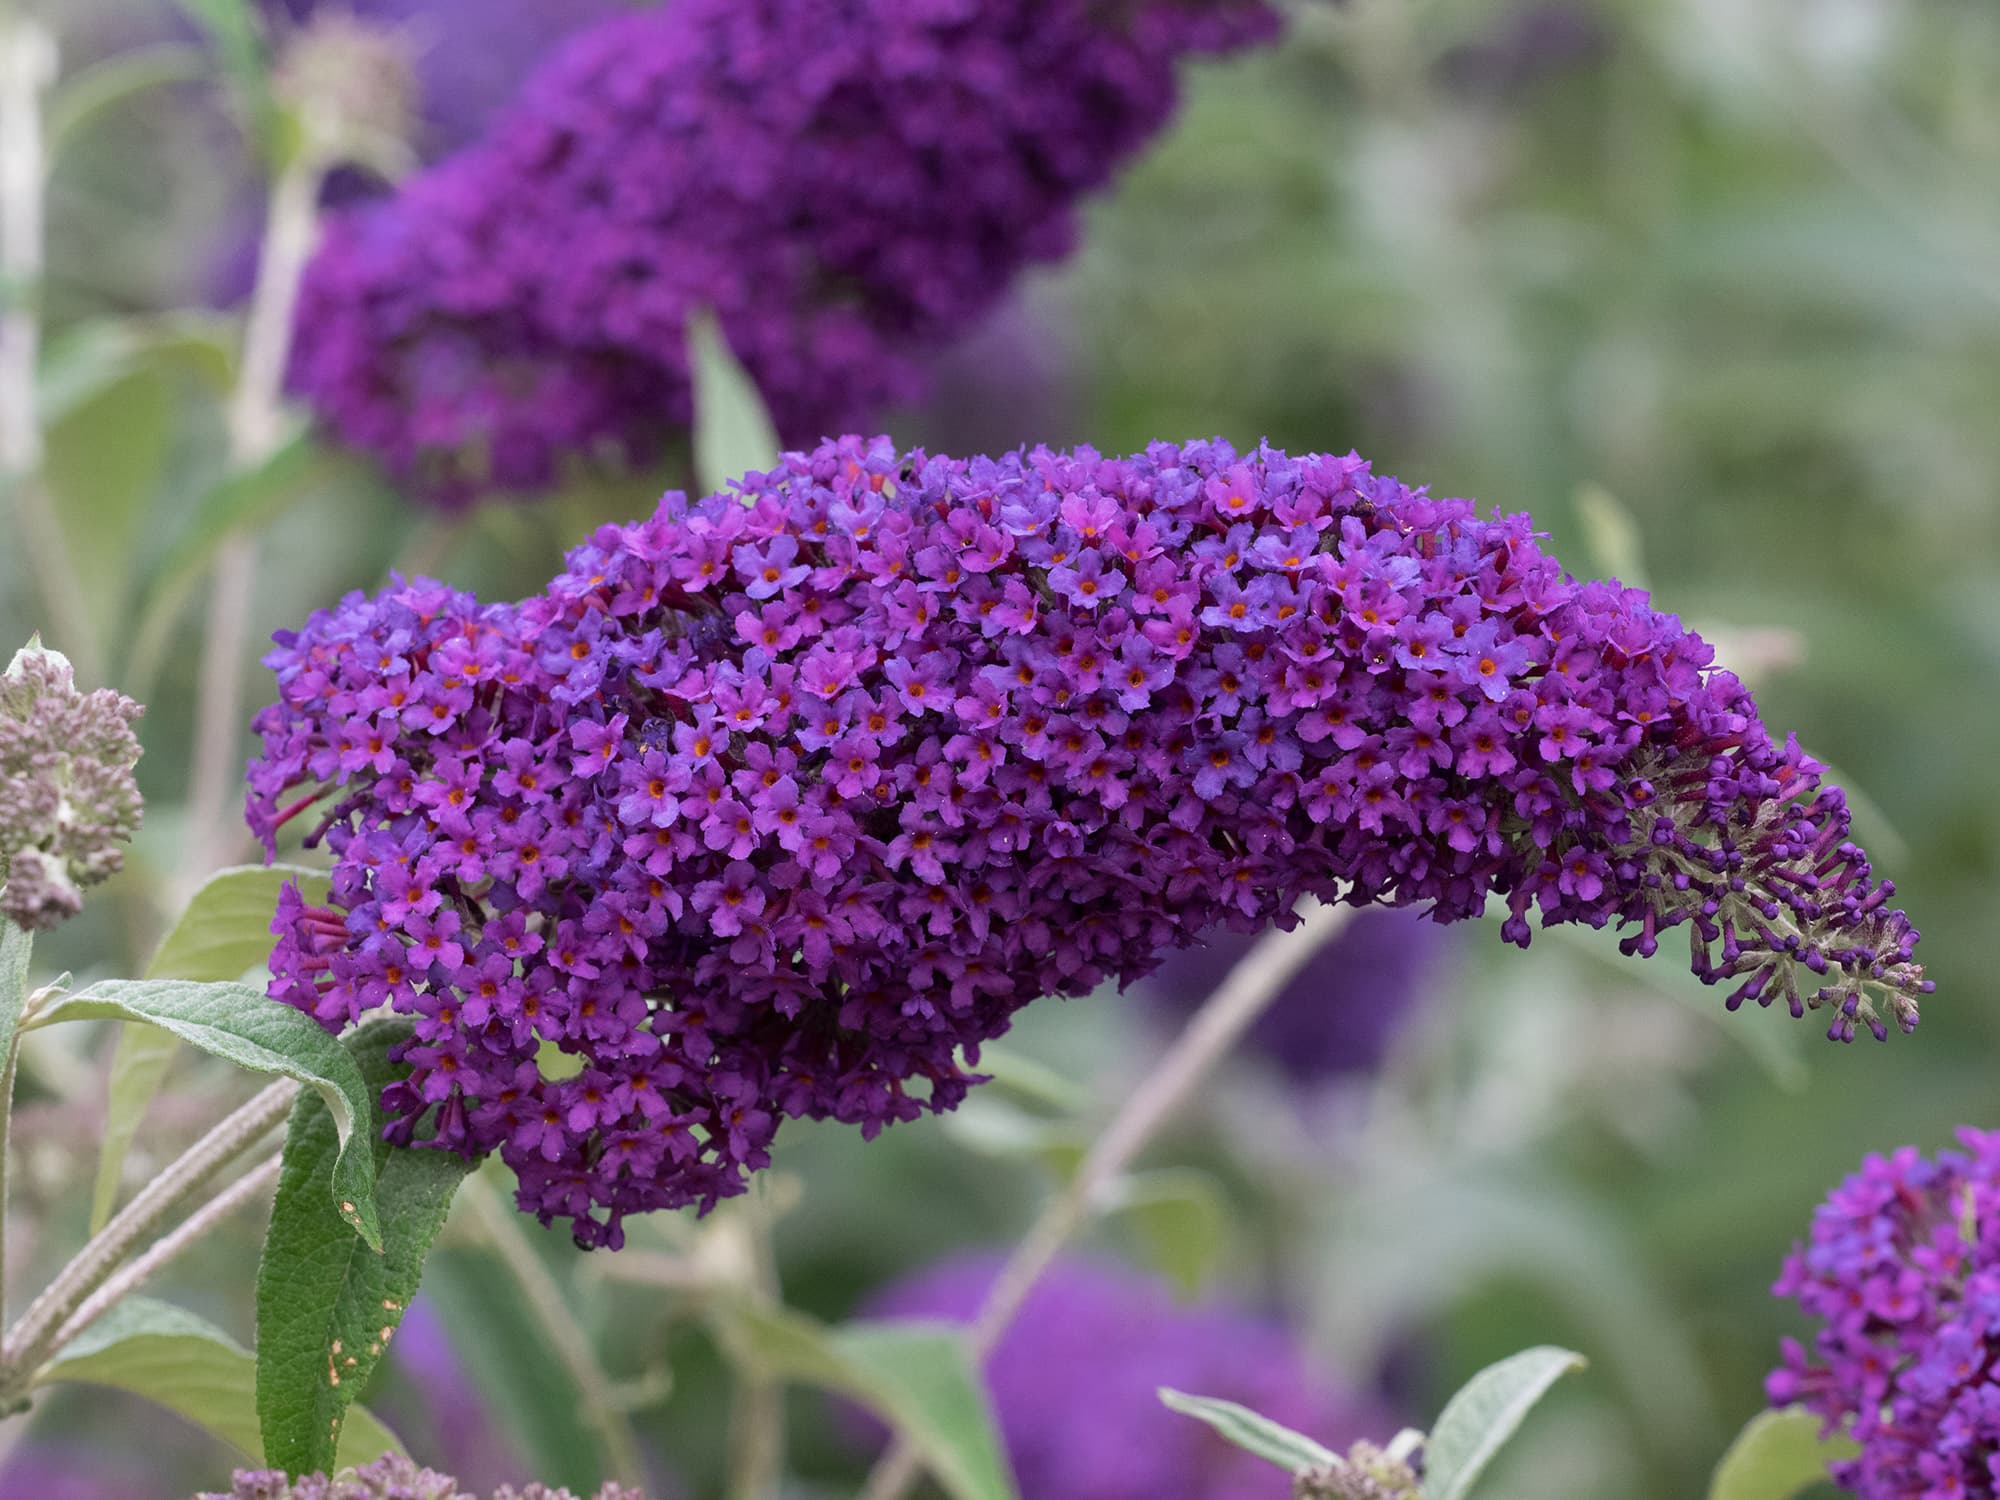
pixel 16 946
pixel 996 1126
pixel 241 1025
pixel 1255 1433
pixel 733 434
pixel 326 1308
pixel 225 932
pixel 88 359
pixel 101 87
pixel 173 1358
pixel 1181 1218
pixel 1477 1422
pixel 918 1377
pixel 138 1067
pixel 238 41
pixel 1777 1455
pixel 104 463
pixel 239 502
pixel 1031 1081
pixel 1611 535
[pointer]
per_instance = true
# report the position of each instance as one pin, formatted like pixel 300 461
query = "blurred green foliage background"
pixel 1710 287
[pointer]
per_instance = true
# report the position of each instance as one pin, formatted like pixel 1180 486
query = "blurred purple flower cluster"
pixel 1903 1267
pixel 1344 1008
pixel 846 183
pixel 784 800
pixel 1074 1383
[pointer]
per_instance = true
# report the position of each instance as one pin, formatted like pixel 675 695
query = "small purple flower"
pixel 1903 1270
pixel 812 880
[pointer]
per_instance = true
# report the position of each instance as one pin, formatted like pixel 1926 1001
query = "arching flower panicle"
pixel 747 878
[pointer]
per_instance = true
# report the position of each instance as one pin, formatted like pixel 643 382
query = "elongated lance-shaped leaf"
pixel 1476 1423
pixel 139 1065
pixel 1777 1455
pixel 918 1377
pixel 241 1025
pixel 101 87
pixel 327 1307
pixel 224 932
pixel 733 434
pixel 1254 1432
pixel 176 1360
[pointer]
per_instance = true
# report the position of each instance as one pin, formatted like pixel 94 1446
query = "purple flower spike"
pixel 744 881
pixel 847 186
pixel 1904 1268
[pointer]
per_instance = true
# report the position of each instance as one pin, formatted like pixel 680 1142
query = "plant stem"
pixel 27 68
pixel 552 1313
pixel 257 428
pixel 757 1417
pixel 33 1338
pixel 165 1249
pixel 7 1071
pixel 1257 980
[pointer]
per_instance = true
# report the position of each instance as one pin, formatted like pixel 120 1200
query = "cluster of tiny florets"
pixel 785 800
pixel 1075 1382
pixel 68 800
pixel 1903 1268
pixel 846 185
pixel 391 1477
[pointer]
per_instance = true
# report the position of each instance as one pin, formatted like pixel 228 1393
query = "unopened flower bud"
pixel 351 87
pixel 67 796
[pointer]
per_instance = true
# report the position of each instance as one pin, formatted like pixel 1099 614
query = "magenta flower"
pixel 1903 1269
pixel 863 881
pixel 848 187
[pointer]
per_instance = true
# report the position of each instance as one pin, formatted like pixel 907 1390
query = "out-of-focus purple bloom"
pixel 1075 1380
pixel 1903 1268
pixel 1526 45
pixel 785 800
pixel 1009 384
pixel 446 1418
pixel 1342 1011
pixel 847 185
pixel 40 1470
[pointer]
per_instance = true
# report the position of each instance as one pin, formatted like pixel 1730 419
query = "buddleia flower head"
pixel 847 187
pixel 785 800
